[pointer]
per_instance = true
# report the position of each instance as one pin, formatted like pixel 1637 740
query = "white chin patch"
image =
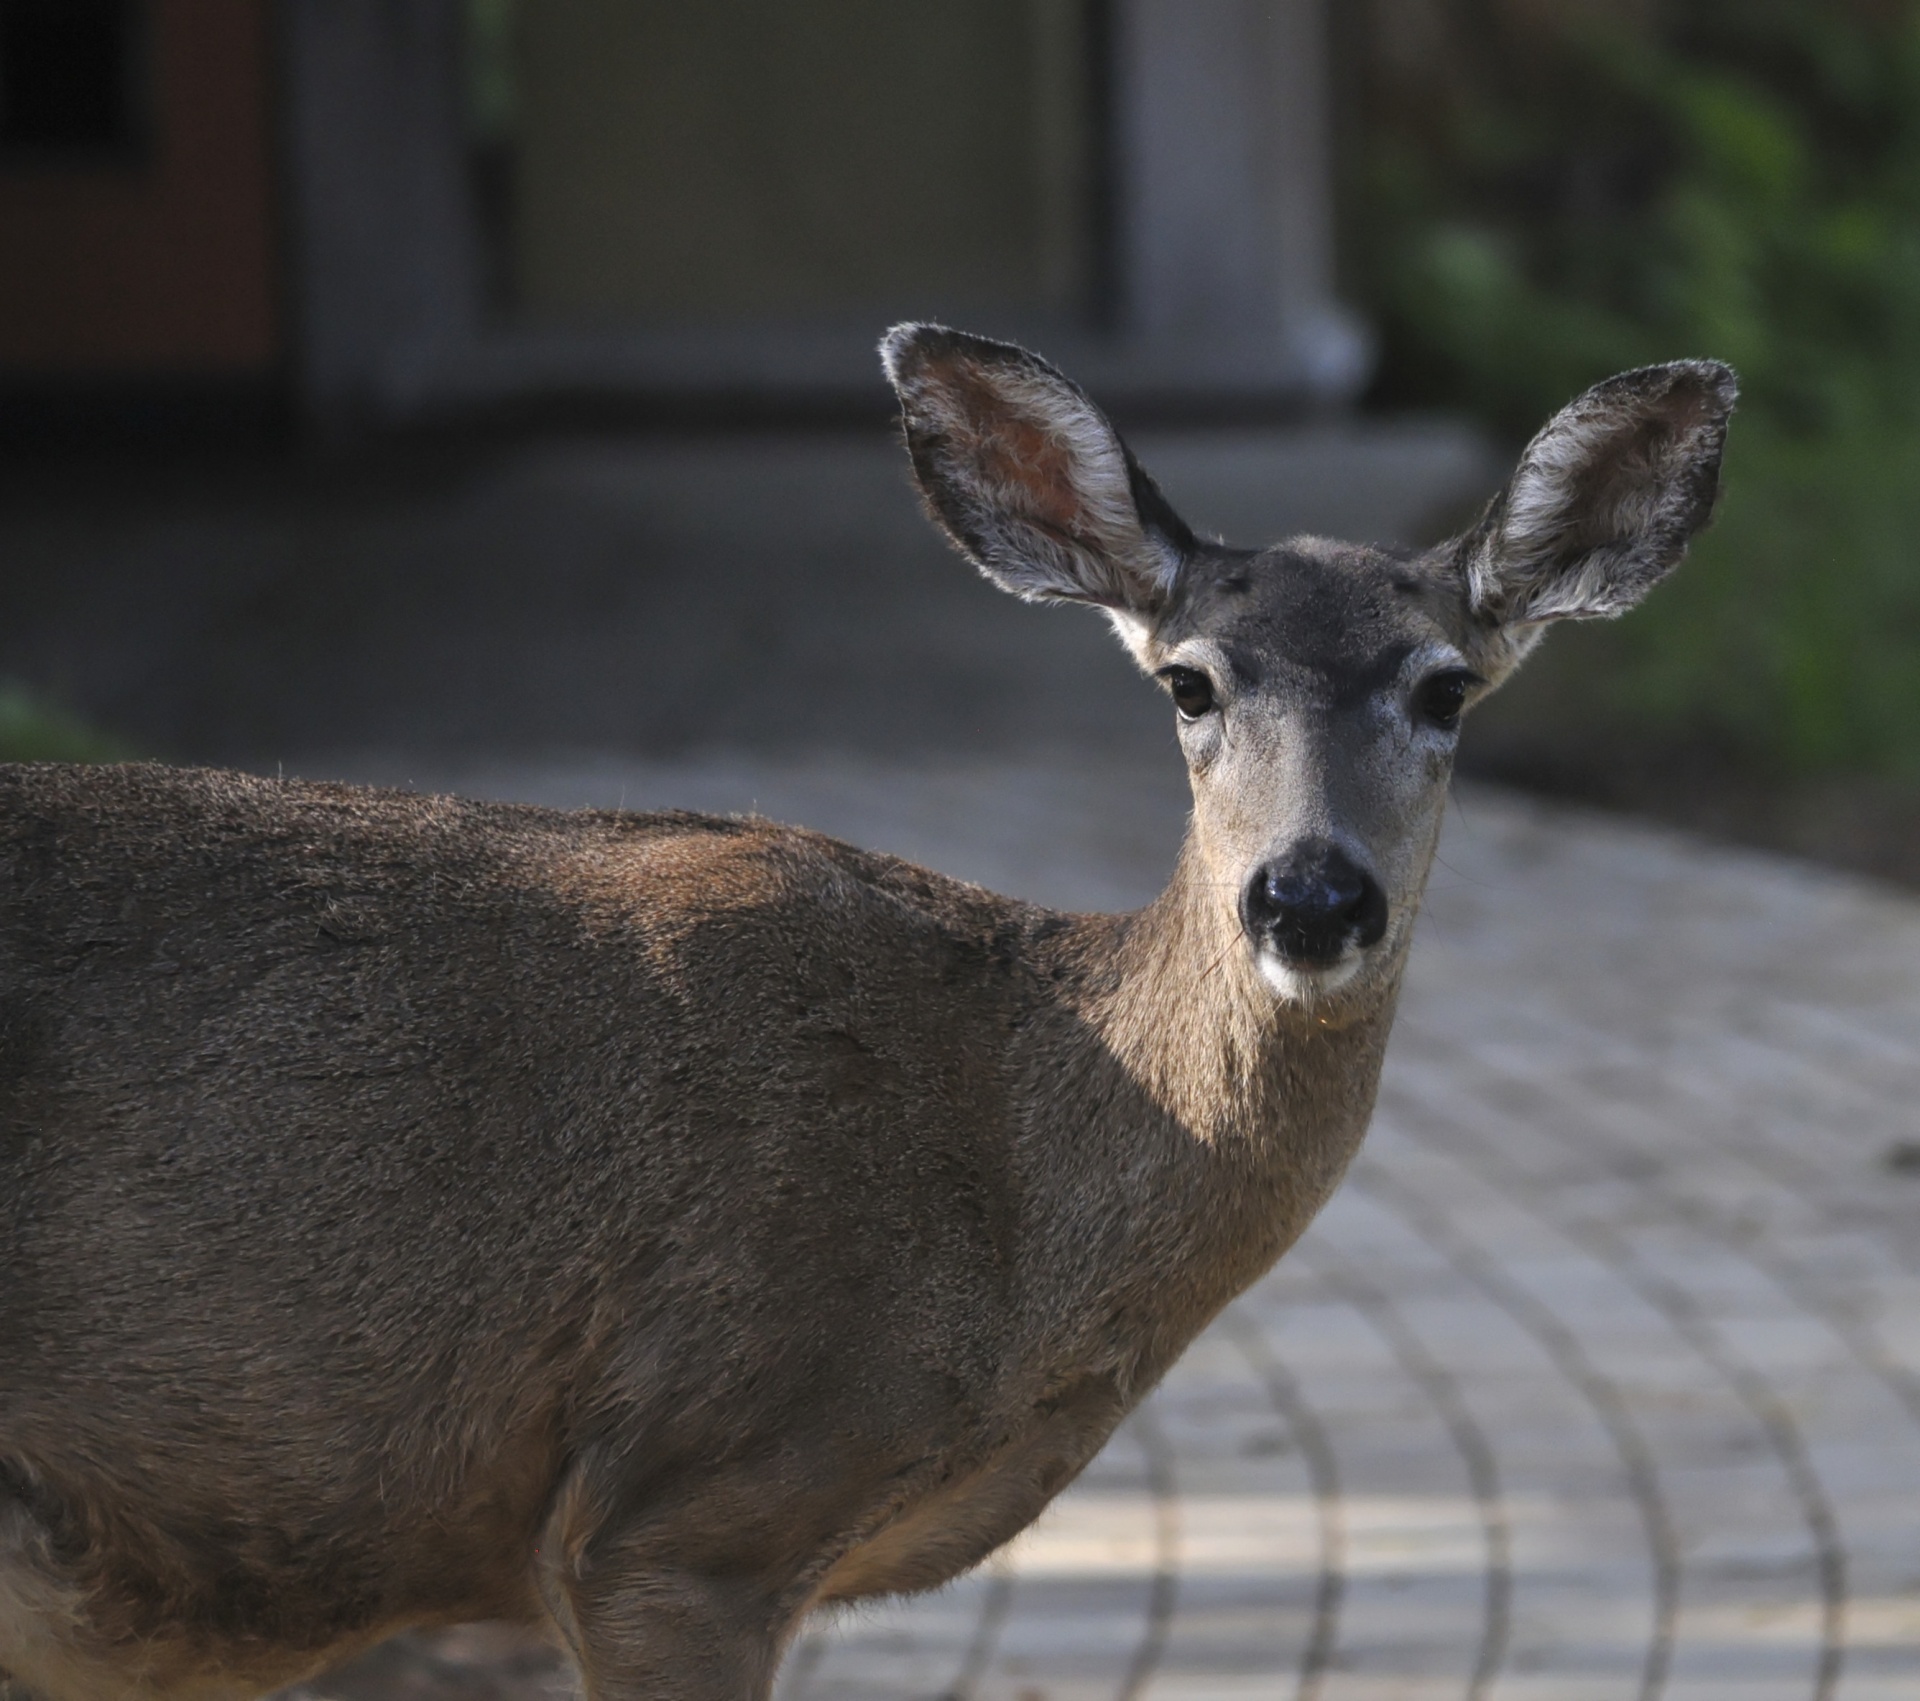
pixel 1303 986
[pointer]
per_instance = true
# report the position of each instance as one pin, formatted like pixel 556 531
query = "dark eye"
pixel 1440 699
pixel 1191 689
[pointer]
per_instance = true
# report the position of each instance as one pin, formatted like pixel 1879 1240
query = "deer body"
pixel 278 1144
pixel 653 1226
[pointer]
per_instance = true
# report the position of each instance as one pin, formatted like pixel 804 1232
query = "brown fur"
pixel 414 1210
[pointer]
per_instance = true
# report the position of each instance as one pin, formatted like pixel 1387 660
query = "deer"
pixel 650 1228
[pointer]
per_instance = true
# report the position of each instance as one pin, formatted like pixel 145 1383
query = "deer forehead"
pixel 1342 621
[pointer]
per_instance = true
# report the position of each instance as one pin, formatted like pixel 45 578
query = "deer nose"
pixel 1314 904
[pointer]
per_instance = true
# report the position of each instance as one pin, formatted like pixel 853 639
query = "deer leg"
pixel 667 1636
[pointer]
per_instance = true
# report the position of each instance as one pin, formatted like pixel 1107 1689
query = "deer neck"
pixel 1247 1110
pixel 1188 1121
pixel 1185 1012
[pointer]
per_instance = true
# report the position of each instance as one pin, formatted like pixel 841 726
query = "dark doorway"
pixel 72 78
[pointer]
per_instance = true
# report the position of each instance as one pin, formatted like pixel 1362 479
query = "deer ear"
pixel 1605 500
pixel 1026 476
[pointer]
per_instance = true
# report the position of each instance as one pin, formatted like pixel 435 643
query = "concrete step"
pixel 647 596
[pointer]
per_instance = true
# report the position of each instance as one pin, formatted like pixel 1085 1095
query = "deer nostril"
pixel 1312 908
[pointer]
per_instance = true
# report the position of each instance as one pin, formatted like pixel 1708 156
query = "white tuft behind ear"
pixel 1605 499
pixel 1027 477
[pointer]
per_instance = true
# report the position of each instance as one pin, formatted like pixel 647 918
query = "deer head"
pixel 1318 687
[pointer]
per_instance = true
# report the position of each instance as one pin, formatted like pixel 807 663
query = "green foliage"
pixel 33 731
pixel 1744 184
pixel 492 93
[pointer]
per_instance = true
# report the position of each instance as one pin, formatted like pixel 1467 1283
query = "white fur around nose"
pixel 1304 986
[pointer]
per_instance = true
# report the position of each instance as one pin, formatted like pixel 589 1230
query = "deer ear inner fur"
pixel 1027 476
pixel 1605 499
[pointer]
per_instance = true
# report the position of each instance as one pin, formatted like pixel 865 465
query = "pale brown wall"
pixel 761 158
pixel 165 264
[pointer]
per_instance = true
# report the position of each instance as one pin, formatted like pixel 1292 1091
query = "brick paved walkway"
pixel 1600 1380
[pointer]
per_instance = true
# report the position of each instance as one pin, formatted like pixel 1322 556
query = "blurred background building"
pixel 378 209
pixel 392 387
pixel 140 194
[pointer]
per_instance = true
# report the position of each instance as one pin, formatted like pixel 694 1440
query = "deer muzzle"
pixel 1313 906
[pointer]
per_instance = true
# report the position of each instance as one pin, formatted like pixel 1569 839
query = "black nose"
pixel 1315 903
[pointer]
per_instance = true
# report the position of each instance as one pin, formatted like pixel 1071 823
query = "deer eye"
pixel 1192 691
pixel 1439 699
